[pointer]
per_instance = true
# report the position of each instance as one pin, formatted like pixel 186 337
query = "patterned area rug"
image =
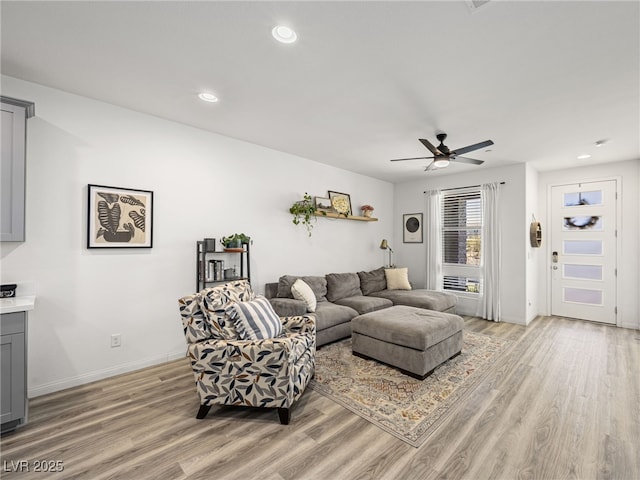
pixel 408 408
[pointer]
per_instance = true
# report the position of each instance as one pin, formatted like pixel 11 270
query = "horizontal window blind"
pixel 462 226
pixel 461 284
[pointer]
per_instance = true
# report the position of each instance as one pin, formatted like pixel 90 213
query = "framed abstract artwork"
pixel 119 217
pixel 412 228
pixel 341 202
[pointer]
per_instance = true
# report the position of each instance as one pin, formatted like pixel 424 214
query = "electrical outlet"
pixel 116 340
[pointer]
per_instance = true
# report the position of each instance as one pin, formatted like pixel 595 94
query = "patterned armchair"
pixel 269 372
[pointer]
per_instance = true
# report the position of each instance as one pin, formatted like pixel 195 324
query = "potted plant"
pixel 366 210
pixel 235 241
pixel 304 212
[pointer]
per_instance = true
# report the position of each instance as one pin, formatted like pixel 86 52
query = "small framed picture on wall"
pixel 412 228
pixel 119 217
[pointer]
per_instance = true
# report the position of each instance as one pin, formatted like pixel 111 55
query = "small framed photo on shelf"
pixel 341 202
pixel 412 228
pixel 323 204
pixel 119 217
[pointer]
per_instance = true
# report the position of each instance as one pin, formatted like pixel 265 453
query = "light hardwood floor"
pixel 565 405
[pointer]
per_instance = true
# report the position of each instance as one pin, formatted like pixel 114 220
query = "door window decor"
pixel 119 217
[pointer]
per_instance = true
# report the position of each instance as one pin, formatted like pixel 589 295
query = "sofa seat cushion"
pixel 342 285
pixel 329 314
pixel 362 304
pixel 428 299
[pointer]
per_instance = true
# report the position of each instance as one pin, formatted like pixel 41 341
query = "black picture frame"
pixel 339 196
pixel 412 228
pixel 323 204
pixel 119 217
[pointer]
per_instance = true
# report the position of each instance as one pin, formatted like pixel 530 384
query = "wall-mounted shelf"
pixel 348 217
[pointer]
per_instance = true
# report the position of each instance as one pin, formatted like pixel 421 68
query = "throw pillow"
pixel 342 285
pixel 302 291
pixel 318 285
pixel 255 320
pixel 397 278
pixel 373 281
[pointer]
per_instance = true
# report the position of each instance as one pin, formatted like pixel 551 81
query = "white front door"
pixel 583 246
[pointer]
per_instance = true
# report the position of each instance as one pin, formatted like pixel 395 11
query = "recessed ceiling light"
pixel 208 97
pixel 600 143
pixel 584 156
pixel 284 34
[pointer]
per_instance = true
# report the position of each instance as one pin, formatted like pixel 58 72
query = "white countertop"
pixel 17 304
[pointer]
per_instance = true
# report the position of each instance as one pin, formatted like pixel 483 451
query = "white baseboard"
pixel 38 390
pixel 516 320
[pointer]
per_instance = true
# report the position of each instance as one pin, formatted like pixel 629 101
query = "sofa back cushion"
pixel 342 285
pixel 373 281
pixel 215 301
pixel 317 284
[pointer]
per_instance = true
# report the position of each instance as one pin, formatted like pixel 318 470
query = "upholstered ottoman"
pixel 413 339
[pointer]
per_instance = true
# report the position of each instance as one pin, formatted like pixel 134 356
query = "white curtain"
pixel 489 304
pixel 434 240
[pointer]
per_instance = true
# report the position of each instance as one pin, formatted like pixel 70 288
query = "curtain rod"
pixel 460 188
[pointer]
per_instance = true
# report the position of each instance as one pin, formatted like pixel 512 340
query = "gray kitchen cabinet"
pixel 13 369
pixel 12 174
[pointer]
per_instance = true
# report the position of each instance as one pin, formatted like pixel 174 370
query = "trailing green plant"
pixel 304 212
pixel 236 240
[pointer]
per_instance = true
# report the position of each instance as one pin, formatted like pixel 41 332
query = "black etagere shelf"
pixel 214 266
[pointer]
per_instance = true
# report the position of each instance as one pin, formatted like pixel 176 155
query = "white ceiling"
pixel 543 80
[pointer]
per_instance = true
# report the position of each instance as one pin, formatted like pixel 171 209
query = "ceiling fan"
pixel 442 155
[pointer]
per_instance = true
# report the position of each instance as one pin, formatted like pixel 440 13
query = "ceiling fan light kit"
pixel 442 155
pixel 441 162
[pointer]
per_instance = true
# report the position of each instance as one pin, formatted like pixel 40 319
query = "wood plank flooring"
pixel 564 405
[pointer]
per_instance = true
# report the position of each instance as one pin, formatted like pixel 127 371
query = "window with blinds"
pixel 461 239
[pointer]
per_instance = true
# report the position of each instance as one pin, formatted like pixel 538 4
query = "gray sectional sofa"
pixel 342 296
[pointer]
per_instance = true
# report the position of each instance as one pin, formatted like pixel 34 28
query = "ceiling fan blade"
pixel 471 148
pixel 414 158
pixel 471 161
pixel 431 148
pixel 431 166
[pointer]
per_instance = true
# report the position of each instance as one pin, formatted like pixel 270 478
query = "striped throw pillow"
pixel 255 320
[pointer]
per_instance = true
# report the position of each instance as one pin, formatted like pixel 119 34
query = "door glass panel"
pixel 583 222
pixel 583 295
pixel 575 199
pixel 582 247
pixel 583 272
